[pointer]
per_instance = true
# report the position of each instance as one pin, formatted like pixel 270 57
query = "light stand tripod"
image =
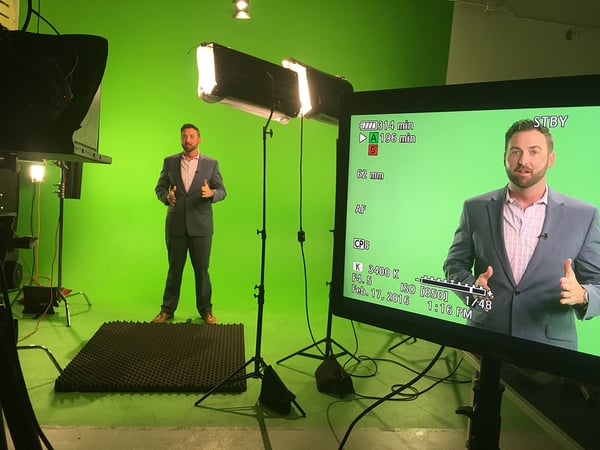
pixel 330 376
pixel 61 196
pixel 327 340
pixel 61 212
pixel 259 364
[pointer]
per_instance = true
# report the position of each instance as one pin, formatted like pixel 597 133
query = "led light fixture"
pixel 320 93
pixel 37 172
pixel 247 83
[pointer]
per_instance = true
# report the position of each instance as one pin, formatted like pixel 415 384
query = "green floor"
pixel 282 335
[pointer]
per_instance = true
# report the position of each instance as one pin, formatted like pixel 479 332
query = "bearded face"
pixel 527 158
pixel 189 140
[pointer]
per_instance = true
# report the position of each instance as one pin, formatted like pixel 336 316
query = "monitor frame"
pixel 570 91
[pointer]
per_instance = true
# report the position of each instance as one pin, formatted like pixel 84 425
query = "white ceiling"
pixel 572 13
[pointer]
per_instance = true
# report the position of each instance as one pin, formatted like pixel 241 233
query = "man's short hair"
pixel 189 125
pixel 526 125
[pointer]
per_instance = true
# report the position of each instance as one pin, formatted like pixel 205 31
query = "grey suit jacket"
pixel 191 213
pixel 530 309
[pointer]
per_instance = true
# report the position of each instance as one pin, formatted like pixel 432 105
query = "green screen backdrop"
pixel 114 235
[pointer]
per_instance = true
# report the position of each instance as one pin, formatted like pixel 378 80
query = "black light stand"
pixel 61 212
pixel 259 364
pixel 325 92
pixel 61 187
pixel 330 375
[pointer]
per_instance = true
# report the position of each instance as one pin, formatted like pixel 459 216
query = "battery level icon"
pixel 367 125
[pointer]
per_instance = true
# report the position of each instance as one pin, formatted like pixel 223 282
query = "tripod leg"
pixel 302 351
pixel 230 377
pixel 68 314
pixel 41 347
pixel 343 352
pixel 328 350
pixel 299 408
pixel 406 339
pixel 71 294
pixel 63 297
pixel 322 356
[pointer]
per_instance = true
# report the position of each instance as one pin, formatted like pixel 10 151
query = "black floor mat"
pixel 149 357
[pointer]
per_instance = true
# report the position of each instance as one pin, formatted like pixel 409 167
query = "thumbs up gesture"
pixel 571 292
pixel 482 279
pixel 206 191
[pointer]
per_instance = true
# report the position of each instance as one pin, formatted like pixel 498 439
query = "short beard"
pixel 185 149
pixel 534 179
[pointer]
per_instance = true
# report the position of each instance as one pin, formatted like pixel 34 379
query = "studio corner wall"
pixel 493 45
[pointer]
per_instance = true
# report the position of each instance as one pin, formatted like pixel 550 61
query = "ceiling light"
pixel 241 9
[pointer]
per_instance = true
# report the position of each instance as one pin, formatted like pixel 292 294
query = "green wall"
pixel 113 242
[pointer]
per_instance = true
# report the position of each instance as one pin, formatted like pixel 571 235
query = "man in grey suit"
pixel 538 251
pixel 189 183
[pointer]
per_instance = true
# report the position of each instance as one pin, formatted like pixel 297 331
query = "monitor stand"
pixel 484 415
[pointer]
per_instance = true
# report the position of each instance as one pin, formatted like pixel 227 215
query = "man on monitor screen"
pixel 537 250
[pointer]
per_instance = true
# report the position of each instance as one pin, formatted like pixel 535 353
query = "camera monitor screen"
pixel 409 244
